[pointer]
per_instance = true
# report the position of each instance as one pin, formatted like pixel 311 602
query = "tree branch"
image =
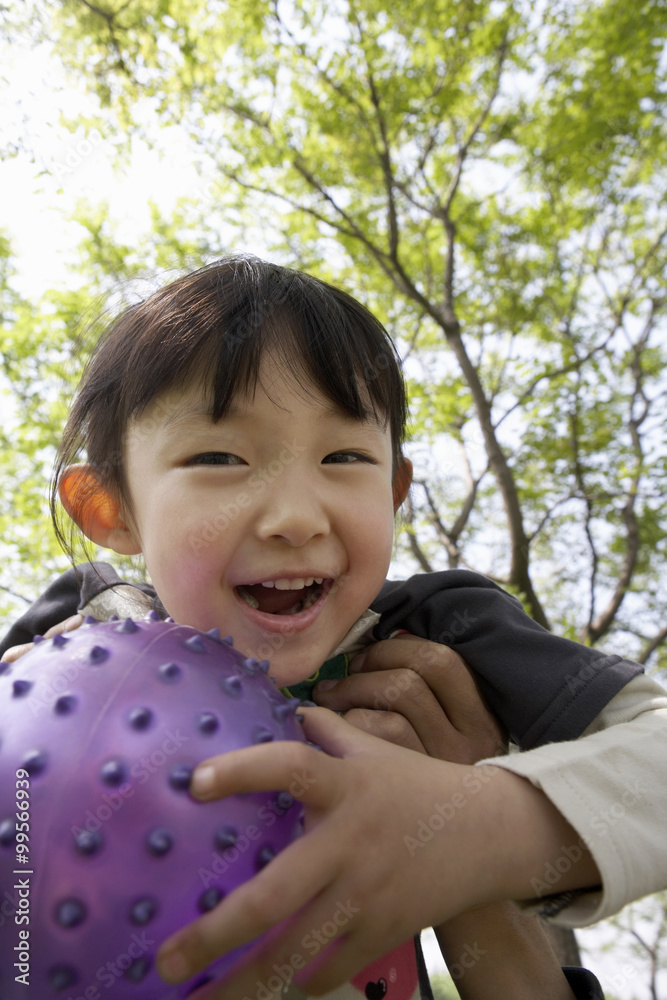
pixel 519 574
pixel 383 153
pixel 450 536
pixel 547 517
pixel 579 479
pixel 602 623
pixel 415 547
pixel 652 645
pixel 19 597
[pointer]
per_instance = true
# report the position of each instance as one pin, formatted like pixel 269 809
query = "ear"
pixel 95 511
pixel 402 481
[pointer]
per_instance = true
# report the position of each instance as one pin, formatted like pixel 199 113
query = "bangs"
pixel 216 326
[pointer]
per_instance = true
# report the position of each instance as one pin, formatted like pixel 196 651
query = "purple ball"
pixel 103 852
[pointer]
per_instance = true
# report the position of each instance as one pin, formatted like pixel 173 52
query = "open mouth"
pixel 283 597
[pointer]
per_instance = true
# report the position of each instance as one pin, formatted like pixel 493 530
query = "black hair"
pixel 215 325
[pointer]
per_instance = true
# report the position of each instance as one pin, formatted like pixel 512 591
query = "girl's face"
pixel 274 524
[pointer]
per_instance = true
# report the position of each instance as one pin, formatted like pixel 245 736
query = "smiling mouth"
pixel 275 601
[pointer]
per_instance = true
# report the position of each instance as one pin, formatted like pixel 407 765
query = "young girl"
pixel 242 430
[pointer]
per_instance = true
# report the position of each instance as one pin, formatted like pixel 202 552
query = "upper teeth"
pixel 298 584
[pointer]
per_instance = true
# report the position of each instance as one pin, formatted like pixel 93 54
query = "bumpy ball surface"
pixel 103 852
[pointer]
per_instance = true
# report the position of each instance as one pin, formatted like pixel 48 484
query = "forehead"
pixel 277 393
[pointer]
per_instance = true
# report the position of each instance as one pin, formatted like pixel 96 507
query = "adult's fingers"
pixel 15 652
pixel 427 725
pixel 67 626
pixel 445 675
pixel 390 726
pixel 443 670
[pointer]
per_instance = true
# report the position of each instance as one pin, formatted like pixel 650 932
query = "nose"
pixel 293 509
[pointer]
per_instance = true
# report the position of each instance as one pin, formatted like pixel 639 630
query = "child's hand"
pixel 417 694
pixel 14 652
pixel 382 824
pixel 371 810
pixel 432 704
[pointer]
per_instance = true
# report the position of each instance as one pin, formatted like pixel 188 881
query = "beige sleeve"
pixel 610 786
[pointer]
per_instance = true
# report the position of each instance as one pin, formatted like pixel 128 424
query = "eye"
pixel 347 458
pixel 215 458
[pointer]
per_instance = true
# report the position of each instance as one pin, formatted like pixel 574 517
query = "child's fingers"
pixel 273 895
pixel 334 734
pixel 286 765
pixel 312 777
pixel 339 965
pixel 309 775
pixel 302 949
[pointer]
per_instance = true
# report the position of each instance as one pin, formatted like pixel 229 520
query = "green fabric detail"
pixel 331 670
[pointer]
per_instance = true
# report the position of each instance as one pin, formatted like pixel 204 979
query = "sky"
pixel 54 169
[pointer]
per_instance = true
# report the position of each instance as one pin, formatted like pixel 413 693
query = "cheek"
pixel 174 523
pixel 373 533
pixel 177 551
pixel 186 586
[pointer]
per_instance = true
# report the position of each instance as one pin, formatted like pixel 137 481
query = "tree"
pixel 486 175
pixel 31 362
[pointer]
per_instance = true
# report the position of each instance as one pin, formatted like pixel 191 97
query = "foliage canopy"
pixel 487 176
